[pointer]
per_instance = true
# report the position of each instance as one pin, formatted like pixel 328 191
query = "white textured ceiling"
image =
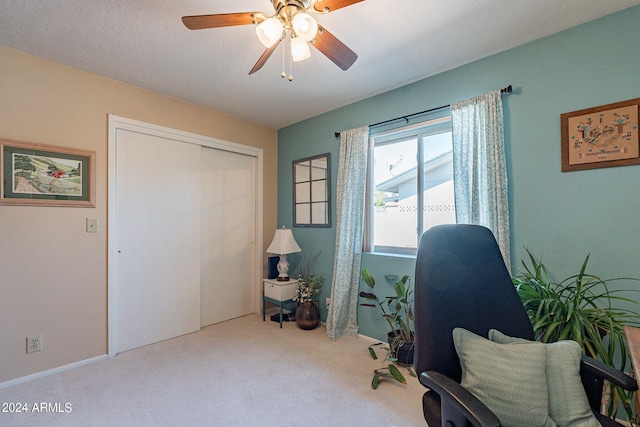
pixel 144 43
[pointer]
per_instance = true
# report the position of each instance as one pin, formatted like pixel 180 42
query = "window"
pixel 411 184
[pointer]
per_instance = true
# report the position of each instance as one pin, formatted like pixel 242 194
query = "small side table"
pixel 278 293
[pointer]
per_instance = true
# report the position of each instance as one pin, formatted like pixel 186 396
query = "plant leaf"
pixel 397 375
pixel 375 381
pixel 368 278
pixel 401 291
pixel 368 295
pixel 373 354
pixel 411 372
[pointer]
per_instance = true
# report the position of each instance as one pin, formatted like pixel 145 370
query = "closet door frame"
pixel 115 123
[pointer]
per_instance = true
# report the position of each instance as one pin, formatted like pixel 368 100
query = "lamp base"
pixel 283 269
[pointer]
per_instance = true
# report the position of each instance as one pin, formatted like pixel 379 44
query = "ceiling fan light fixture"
pixel 299 49
pixel 291 18
pixel 269 31
pixel 304 26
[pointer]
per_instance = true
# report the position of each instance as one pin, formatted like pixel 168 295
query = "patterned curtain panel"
pixel 480 173
pixel 350 199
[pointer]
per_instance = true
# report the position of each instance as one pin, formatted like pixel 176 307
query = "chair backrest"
pixel 461 281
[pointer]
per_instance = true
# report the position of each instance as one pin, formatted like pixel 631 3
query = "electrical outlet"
pixel 34 344
pixel 328 303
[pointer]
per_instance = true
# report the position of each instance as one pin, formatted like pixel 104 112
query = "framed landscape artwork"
pixel 601 137
pixel 46 175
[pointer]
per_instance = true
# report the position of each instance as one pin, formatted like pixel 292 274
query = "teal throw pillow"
pixel 508 378
pixel 568 403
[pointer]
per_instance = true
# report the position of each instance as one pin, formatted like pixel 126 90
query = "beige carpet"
pixel 244 372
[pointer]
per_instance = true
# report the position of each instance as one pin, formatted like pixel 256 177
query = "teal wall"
pixel 561 216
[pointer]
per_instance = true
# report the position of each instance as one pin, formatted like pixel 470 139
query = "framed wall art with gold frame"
pixel 46 175
pixel 601 137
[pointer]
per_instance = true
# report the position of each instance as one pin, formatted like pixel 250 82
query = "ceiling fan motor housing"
pixel 287 9
pixel 300 4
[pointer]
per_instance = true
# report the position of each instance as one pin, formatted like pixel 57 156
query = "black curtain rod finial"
pixel 507 89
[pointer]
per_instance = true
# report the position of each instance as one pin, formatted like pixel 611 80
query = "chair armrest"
pixel 456 397
pixel 601 370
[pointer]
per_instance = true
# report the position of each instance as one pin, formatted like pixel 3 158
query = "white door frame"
pixel 115 123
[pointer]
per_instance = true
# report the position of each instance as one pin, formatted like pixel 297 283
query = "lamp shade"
pixel 269 31
pixel 299 49
pixel 304 26
pixel 283 243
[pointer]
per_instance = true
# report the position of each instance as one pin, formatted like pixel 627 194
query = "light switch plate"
pixel 92 225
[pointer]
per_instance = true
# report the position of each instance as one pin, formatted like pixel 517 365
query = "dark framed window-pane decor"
pixel 311 191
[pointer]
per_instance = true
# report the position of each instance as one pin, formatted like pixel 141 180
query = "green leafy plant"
pixel 310 289
pixel 390 367
pixel 309 285
pixel 580 308
pixel 397 311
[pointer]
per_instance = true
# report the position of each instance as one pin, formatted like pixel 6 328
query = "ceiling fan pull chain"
pixel 283 75
pixel 290 66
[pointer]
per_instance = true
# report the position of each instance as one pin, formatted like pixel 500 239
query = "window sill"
pixel 391 254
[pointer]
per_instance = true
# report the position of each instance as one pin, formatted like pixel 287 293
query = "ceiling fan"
pixel 291 17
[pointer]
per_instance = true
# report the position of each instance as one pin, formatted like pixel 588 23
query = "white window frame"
pixel 437 123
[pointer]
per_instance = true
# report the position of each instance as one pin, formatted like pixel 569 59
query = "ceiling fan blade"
pixel 334 49
pixel 199 22
pixel 331 5
pixel 264 57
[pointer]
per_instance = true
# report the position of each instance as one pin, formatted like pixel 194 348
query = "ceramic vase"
pixel 307 315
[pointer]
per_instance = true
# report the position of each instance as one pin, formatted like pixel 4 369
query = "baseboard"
pixel 359 336
pixel 46 373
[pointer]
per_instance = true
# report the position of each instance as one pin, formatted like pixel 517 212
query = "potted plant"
pixel 309 287
pixel 579 308
pixel 397 311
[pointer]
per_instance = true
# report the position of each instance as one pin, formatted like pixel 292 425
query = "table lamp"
pixel 283 243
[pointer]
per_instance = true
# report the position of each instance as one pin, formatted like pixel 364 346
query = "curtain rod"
pixel 507 89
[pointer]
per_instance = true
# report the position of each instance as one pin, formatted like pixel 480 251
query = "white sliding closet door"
pixel 158 196
pixel 228 235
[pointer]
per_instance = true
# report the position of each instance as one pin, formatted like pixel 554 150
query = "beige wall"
pixel 52 273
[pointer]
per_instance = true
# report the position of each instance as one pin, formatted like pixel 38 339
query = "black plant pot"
pixel 403 353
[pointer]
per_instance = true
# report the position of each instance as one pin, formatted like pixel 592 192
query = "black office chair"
pixel 461 281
